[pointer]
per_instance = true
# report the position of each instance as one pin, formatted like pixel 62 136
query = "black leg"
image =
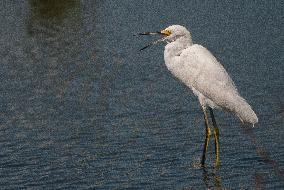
pixel 207 136
pixel 216 137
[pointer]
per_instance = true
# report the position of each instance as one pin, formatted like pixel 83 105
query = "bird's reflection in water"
pixel 210 175
pixel 211 178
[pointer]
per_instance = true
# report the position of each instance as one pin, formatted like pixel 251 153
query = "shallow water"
pixel 82 108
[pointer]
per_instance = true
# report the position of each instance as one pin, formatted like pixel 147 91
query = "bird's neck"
pixel 175 48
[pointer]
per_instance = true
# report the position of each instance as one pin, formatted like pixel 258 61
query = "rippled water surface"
pixel 82 108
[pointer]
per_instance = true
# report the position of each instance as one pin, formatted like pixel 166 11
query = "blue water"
pixel 83 108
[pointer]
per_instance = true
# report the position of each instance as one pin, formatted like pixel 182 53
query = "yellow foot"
pixel 217 164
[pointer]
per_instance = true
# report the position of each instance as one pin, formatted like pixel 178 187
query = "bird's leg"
pixel 216 137
pixel 207 136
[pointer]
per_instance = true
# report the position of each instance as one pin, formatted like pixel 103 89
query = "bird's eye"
pixel 166 32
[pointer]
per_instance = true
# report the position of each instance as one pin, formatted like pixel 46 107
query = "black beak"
pixel 150 33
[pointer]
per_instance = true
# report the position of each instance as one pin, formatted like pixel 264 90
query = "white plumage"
pixel 196 67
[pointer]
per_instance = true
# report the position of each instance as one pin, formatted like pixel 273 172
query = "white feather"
pixel 197 68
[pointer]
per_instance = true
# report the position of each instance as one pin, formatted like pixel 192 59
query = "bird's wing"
pixel 200 70
pixel 203 72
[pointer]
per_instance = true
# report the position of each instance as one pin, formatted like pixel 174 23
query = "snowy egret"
pixel 198 69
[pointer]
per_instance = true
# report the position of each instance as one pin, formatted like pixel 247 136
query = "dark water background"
pixel 82 108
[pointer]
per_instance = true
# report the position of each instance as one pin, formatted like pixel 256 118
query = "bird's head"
pixel 174 32
pixel 169 34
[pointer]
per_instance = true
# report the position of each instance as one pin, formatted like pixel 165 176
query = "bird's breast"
pixel 181 68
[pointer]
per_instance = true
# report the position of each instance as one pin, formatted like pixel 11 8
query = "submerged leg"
pixel 207 136
pixel 216 137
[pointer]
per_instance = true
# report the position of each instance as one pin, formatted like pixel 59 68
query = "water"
pixel 82 108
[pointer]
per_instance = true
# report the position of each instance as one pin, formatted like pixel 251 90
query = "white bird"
pixel 198 69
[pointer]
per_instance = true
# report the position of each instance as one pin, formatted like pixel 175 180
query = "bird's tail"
pixel 244 111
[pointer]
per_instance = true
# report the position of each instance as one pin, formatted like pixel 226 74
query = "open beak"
pixel 149 33
pixel 163 33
